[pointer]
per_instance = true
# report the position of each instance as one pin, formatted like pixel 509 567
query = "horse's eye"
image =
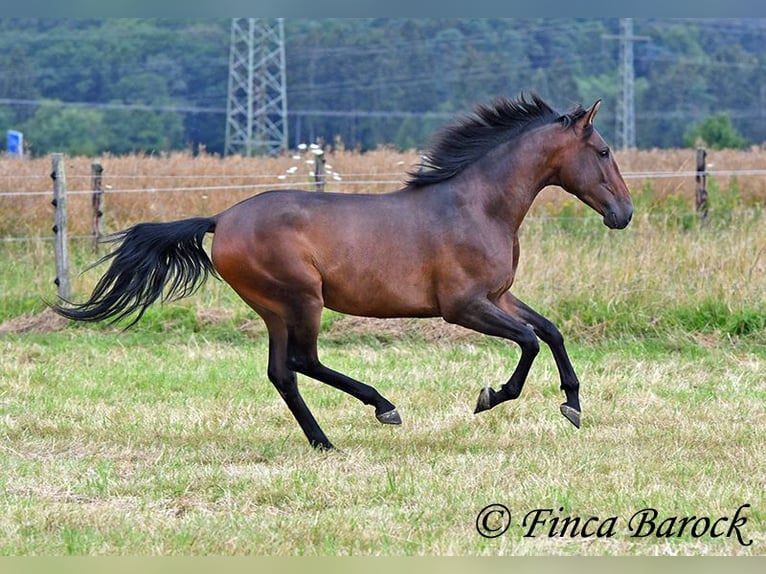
pixel 604 153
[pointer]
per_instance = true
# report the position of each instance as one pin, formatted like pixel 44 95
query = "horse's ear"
pixel 591 113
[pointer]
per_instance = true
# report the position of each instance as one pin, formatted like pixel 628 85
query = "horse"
pixel 444 245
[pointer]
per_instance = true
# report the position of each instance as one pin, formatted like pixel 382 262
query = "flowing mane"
pixel 459 145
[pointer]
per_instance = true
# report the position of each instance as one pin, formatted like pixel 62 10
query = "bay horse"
pixel 445 245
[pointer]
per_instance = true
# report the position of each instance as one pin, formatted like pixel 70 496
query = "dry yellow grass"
pixel 178 185
pixel 141 188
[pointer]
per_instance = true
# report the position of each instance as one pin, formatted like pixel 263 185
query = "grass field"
pixel 169 439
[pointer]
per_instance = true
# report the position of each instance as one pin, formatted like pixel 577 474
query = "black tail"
pixel 150 257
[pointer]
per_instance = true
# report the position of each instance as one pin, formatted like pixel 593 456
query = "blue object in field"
pixel 15 143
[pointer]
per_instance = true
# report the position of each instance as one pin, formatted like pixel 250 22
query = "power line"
pixel 177 108
pixel 743 113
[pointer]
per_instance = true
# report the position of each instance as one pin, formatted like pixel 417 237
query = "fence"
pixel 319 172
pixel 60 226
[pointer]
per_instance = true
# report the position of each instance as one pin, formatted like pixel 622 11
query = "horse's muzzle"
pixel 618 217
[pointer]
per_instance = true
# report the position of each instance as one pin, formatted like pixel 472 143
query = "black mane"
pixel 457 146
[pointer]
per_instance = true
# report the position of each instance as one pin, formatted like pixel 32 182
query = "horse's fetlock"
pixel 530 343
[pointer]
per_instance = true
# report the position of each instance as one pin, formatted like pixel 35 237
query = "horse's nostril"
pixel 613 220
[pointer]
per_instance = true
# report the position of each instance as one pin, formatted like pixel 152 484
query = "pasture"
pixel 169 439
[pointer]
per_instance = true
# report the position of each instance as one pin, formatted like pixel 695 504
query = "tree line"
pixel 152 85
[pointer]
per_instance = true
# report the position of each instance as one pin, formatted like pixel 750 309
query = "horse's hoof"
pixel 485 400
pixel 325 446
pixel 390 418
pixel 572 415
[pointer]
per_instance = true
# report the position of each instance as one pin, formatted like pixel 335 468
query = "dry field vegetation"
pixel 169 439
pixel 175 186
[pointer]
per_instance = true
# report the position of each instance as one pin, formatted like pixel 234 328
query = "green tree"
pixel 687 69
pixel 16 83
pixel 56 128
pixel 144 130
pixel 716 132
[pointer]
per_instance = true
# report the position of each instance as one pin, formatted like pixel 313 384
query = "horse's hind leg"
pixel 550 335
pixel 302 357
pixel 286 383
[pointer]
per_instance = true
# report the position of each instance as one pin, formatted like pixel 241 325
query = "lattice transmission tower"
pixel 625 132
pixel 256 109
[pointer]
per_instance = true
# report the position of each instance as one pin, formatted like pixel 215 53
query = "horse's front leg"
pixel 550 335
pixel 485 316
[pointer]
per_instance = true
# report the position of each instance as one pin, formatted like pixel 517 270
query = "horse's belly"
pixel 380 293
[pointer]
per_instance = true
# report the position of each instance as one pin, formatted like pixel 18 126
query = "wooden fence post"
pixel 60 226
pixel 701 181
pixel 96 171
pixel 319 175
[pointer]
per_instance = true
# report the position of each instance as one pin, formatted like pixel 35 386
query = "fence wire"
pixel 394 180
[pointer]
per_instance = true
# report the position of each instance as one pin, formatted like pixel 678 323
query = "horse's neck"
pixel 511 179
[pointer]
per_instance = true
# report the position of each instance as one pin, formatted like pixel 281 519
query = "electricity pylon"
pixel 256 109
pixel 625 135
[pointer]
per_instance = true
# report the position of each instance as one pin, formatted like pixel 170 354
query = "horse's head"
pixel 589 172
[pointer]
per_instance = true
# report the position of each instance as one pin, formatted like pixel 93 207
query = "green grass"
pixel 169 439
pixel 158 444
